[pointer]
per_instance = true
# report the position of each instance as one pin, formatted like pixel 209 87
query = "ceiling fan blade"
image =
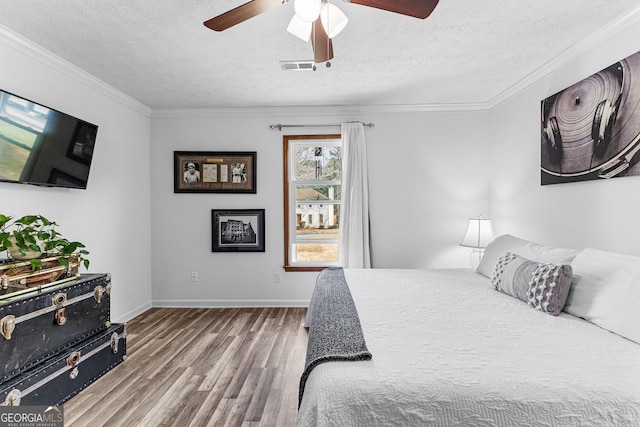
pixel 322 45
pixel 415 8
pixel 241 14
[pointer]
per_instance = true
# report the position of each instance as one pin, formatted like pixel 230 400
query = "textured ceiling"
pixel 160 53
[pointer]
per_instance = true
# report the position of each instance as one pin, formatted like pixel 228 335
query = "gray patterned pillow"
pixel 542 286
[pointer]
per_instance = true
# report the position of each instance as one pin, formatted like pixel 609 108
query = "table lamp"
pixel 479 234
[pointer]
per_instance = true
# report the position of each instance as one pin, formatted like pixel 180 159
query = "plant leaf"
pixel 69 247
pixel 4 219
pixel 27 219
pixel 36 264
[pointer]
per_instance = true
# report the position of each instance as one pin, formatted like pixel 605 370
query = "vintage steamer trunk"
pixel 58 379
pixel 40 323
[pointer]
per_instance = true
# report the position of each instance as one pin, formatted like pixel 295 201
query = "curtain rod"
pixel 280 126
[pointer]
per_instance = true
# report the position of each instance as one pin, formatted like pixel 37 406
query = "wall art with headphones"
pixel 591 130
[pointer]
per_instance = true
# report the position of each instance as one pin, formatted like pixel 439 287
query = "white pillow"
pixel 526 249
pixel 606 291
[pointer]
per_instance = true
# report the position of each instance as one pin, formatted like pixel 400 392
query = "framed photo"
pixel 214 172
pixel 589 130
pixel 237 230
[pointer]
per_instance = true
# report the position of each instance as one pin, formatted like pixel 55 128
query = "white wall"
pixel 428 175
pixel 601 214
pixel 112 216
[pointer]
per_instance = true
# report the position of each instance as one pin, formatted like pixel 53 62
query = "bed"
pixel 464 347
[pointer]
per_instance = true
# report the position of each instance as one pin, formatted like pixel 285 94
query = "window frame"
pixel 289 265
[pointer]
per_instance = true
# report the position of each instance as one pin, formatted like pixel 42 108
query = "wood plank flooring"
pixel 201 367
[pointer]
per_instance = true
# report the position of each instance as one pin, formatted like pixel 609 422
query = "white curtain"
pixel 354 227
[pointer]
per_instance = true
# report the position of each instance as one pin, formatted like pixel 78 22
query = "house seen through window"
pixel 313 173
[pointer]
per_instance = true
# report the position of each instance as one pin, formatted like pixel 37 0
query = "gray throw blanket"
pixel 335 333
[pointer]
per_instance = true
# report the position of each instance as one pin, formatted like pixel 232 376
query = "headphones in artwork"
pixel 604 118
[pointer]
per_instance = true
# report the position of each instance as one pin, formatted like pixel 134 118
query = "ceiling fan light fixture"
pixel 299 28
pixel 307 10
pixel 333 19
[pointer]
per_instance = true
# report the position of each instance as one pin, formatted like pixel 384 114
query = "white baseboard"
pixel 133 313
pixel 228 303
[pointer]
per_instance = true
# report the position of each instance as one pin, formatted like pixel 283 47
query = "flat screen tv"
pixel 42 146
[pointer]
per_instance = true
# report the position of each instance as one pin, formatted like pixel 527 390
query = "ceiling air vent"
pixel 297 65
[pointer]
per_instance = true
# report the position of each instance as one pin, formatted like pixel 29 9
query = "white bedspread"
pixel 449 350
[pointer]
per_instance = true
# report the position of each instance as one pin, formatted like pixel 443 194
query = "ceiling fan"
pixel 318 20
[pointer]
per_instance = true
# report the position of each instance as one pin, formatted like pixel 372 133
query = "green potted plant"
pixel 34 236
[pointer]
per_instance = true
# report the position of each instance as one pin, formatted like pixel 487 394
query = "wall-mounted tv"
pixel 42 146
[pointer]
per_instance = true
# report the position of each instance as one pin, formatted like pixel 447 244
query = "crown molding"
pixel 590 43
pixel 320 110
pixel 42 55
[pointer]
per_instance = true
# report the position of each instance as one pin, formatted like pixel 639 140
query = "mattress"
pixel 450 350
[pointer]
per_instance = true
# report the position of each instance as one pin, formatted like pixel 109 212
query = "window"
pixel 313 172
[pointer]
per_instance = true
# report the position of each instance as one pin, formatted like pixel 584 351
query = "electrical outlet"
pixel 194 276
pixel 277 278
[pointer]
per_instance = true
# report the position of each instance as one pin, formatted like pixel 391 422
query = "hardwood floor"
pixel 201 367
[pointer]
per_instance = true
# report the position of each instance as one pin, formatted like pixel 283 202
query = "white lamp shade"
pixel 333 19
pixel 479 233
pixel 307 10
pixel 299 28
